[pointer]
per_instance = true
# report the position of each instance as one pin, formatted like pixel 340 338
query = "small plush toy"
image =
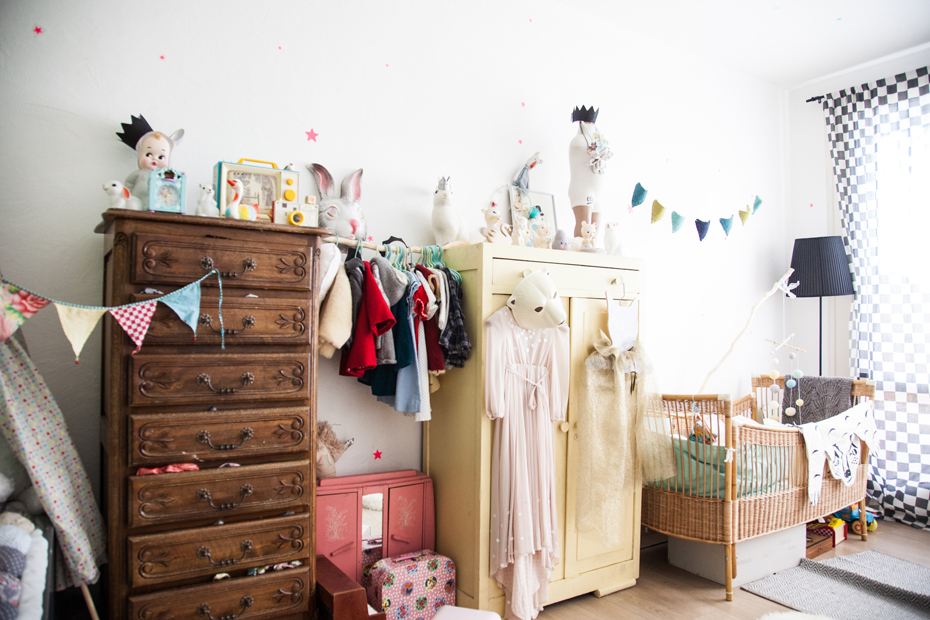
pixel 447 225
pixel 561 241
pixel 120 198
pixel 153 149
pixel 612 238
pixel 206 204
pixel 535 302
pixel 328 449
pixel 341 214
pixel 494 230
pixel 588 235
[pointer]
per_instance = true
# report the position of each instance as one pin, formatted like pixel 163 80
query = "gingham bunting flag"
pixel 135 321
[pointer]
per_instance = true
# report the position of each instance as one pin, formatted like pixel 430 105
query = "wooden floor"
pixel 664 591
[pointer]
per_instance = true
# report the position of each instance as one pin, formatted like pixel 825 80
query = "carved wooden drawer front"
pixel 246 320
pixel 213 378
pixel 173 498
pixel 264 596
pixel 181 260
pixel 161 558
pixel 199 436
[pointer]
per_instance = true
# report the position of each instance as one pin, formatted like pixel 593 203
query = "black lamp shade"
pixel 821 267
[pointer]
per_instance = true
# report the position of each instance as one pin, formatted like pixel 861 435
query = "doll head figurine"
pixel 153 147
pixel 535 302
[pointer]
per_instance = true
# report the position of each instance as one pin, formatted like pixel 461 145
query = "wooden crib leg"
pixel 729 554
pixel 863 522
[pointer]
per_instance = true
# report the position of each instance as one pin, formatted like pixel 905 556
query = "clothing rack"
pixel 377 247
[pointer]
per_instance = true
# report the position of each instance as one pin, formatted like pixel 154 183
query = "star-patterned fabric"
pixel 32 423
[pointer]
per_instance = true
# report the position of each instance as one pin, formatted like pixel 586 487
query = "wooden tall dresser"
pixel 457 442
pixel 184 401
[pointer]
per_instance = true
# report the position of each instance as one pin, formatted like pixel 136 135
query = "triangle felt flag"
pixel 756 203
pixel 135 321
pixel 744 215
pixel 77 324
pixel 658 211
pixel 639 195
pixel 727 223
pixel 702 228
pixel 16 305
pixel 677 221
pixel 186 304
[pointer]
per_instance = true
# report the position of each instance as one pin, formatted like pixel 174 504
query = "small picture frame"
pixel 522 201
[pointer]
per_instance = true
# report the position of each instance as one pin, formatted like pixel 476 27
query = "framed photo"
pixel 522 202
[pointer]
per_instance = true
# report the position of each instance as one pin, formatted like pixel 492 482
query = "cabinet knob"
pixel 564 426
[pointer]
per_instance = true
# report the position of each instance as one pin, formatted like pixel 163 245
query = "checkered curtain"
pixel 879 142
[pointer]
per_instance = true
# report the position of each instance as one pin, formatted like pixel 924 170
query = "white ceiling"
pixel 783 42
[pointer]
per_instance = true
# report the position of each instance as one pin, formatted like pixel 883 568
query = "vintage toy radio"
pixel 261 186
pixel 167 191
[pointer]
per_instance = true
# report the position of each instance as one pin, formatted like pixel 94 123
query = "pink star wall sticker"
pixel 311 135
pixel 38 30
pixel 377 454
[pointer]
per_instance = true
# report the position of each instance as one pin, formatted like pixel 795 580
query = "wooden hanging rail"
pixel 377 247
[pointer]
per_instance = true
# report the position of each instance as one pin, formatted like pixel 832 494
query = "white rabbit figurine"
pixel 120 198
pixel 341 214
pixel 542 237
pixel 206 204
pixel 447 225
pixel 612 238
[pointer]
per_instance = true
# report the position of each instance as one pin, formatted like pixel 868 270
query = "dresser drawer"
pixel 201 436
pixel 201 552
pixel 181 260
pixel 230 377
pixel 265 596
pixel 246 320
pixel 215 493
pixel 506 274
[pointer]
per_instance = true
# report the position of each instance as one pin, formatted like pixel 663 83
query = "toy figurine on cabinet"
pixel 588 153
pixel 447 225
pixel 153 151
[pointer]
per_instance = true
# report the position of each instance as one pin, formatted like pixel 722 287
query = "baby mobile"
pixel 792 382
pixel 678 220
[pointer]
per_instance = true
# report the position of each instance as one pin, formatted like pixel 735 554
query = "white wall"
pixel 812 209
pixel 408 91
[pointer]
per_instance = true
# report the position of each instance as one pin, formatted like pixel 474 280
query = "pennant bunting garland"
pixel 17 304
pixel 678 220
pixel 78 323
pixel 727 223
pixel 135 321
pixel 702 228
pixel 658 211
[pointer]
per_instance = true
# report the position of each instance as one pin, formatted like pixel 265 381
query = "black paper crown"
pixel 587 115
pixel 133 132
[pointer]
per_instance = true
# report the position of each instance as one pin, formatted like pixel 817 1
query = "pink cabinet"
pixel 361 519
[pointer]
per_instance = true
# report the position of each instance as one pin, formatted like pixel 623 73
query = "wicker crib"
pixel 760 490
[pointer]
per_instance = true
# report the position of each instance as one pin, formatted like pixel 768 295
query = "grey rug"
pixel 863 586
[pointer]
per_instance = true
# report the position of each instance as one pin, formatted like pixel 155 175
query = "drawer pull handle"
pixel 249 264
pixel 248 322
pixel 398 538
pixel 344 547
pixel 203 495
pixel 247 378
pixel 204 554
pixel 245 434
pixel 246 602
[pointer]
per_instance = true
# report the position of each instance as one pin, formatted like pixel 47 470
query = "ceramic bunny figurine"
pixel 120 198
pixel 521 230
pixel 494 230
pixel 612 238
pixel 341 214
pixel 588 235
pixel 206 204
pixel 447 225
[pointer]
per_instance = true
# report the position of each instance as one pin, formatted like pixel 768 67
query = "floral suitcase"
pixel 413 586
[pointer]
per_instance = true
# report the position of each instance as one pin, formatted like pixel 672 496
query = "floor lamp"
pixel 822 270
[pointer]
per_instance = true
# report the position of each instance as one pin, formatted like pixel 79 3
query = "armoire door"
pixel 585 551
pixel 338 532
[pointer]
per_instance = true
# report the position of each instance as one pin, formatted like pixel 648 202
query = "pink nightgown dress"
pixel 526 388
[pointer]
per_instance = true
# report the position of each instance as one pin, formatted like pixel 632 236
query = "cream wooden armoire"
pixel 457 442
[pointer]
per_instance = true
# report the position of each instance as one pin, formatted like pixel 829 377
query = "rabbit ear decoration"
pixel 176 137
pixel 324 180
pixel 352 186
